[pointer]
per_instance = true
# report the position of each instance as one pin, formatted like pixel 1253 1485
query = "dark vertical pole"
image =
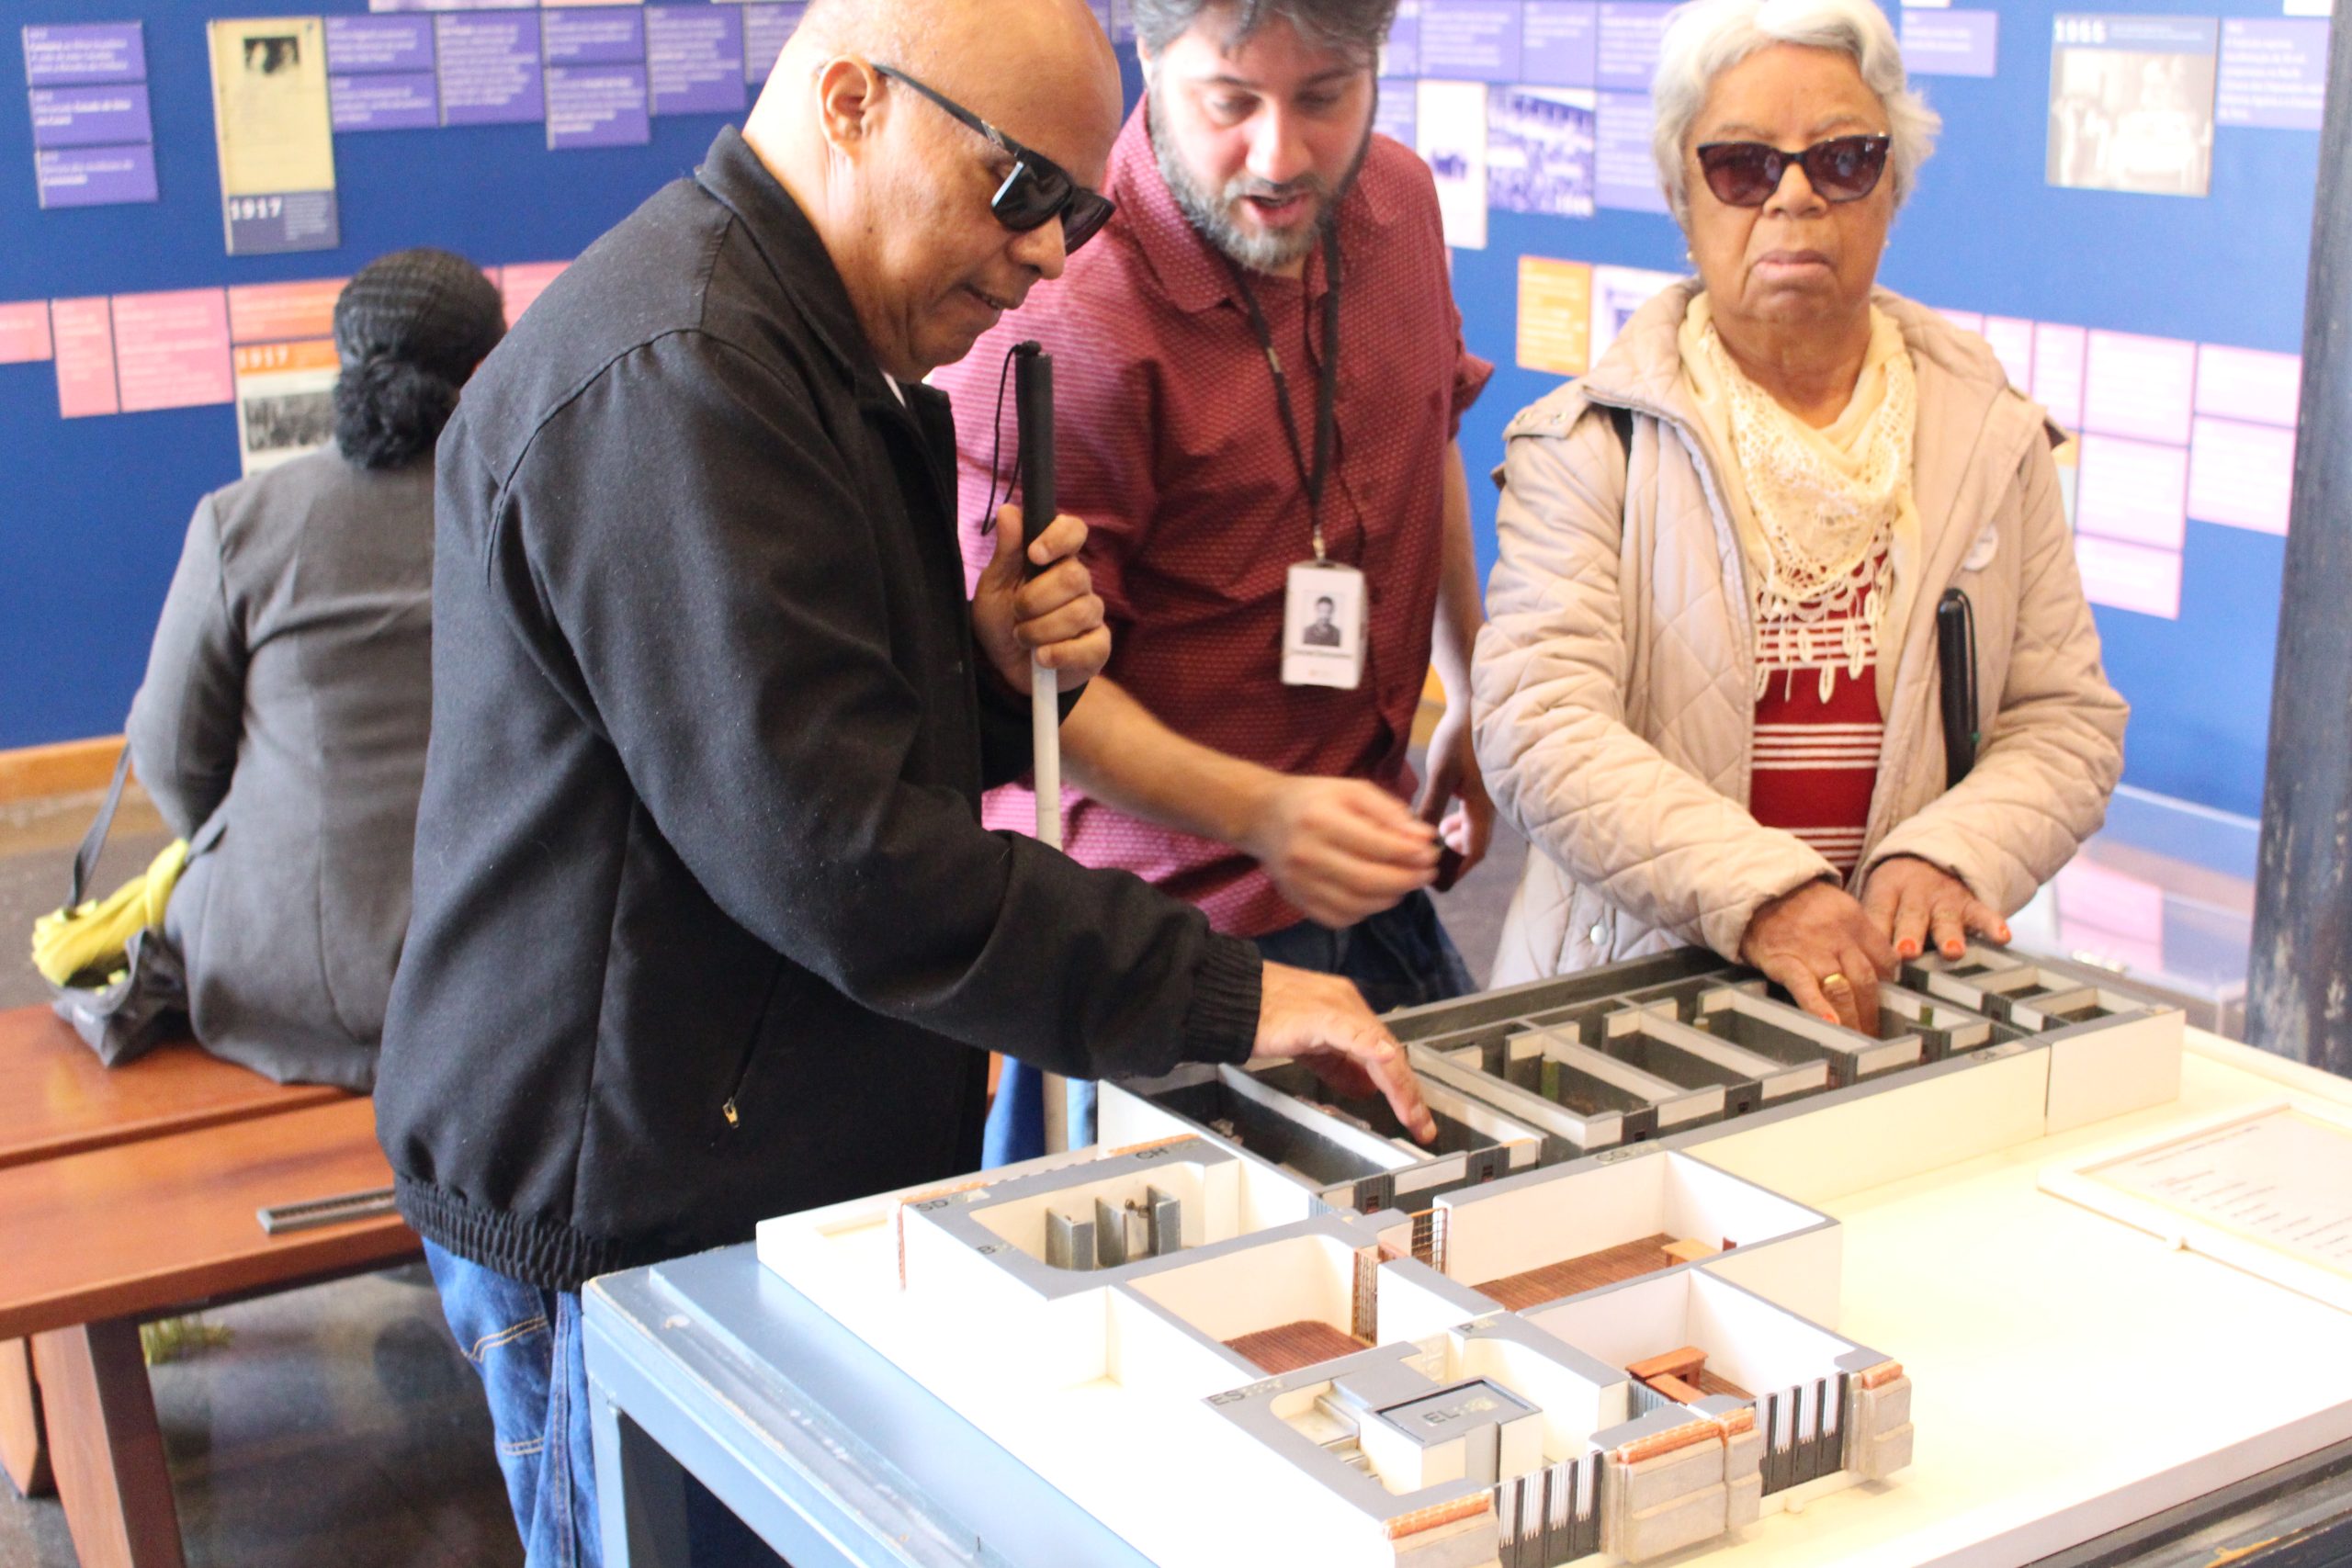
pixel 2299 990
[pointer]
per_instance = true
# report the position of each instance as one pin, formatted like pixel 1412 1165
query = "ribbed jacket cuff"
pixel 1221 1023
pixel 544 1254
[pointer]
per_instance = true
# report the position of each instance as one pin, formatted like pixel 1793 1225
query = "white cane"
pixel 1032 403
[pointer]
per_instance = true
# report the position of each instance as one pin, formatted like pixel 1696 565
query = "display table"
pixel 2075 1377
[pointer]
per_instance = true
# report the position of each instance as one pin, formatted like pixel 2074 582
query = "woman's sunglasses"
pixel 1037 189
pixel 1746 173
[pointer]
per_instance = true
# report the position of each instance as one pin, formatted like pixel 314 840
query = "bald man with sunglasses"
pixel 707 926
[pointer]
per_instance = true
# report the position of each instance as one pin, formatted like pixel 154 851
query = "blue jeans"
pixel 1398 958
pixel 524 1343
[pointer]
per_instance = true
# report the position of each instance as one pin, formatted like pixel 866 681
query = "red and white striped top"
pixel 1818 726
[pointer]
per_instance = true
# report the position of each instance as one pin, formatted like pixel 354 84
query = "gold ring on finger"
pixel 1834 983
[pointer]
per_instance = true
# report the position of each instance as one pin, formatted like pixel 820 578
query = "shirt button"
pixel 1599 933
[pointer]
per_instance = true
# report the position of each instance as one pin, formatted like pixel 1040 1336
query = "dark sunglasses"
pixel 1746 173
pixel 1037 189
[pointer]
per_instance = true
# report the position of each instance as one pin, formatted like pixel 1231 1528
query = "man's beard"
pixel 1212 213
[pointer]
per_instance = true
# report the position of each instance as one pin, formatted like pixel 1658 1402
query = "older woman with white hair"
pixel 1708 687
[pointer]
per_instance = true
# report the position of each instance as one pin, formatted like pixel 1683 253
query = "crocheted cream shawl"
pixel 1825 517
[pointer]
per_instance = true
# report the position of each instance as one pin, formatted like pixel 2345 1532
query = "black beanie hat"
pixel 424 307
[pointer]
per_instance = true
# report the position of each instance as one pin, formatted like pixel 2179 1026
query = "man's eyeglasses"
pixel 1037 189
pixel 1746 173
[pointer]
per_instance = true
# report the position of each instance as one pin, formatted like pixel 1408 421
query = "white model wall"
pixel 1984 1104
pixel 1755 1344
pixel 1490 1235
pixel 1261 1286
pixel 1631 1323
pixel 1574 1406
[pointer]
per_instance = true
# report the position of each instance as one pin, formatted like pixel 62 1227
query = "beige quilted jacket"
pixel 1613 689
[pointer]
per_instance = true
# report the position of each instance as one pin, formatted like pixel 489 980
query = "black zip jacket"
pixel 707 928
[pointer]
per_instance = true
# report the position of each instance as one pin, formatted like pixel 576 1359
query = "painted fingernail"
pixel 1907 948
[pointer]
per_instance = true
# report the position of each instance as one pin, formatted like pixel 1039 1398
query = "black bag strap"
pixel 85 859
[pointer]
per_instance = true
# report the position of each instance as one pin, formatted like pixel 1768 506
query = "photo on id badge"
pixel 1323 625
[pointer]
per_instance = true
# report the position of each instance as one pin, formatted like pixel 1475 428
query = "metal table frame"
pixel 715 1367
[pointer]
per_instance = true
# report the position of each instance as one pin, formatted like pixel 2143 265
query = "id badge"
pixel 1323 623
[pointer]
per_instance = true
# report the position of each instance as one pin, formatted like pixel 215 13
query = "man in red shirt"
pixel 1260 376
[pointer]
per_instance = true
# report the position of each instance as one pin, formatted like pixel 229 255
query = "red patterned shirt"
pixel 1170 447
pixel 1817 748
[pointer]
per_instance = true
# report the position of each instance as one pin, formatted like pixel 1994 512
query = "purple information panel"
pixel 390 100
pixel 601 37
pixel 106 116
pixel 1558 43
pixel 93 135
pixel 1399 100
pixel 1627 54
pixel 1625 175
pixel 1402 56
pixel 95 176
pixel 694 58
pixel 1949 43
pixel 296 220
pixel 1470 40
pixel 767 29
pixel 489 66
pixel 356 44
pixel 77 54
pixel 597 105
pixel 2273 76
pixel 380 74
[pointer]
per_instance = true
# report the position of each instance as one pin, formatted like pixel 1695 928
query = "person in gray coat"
pixel 281 725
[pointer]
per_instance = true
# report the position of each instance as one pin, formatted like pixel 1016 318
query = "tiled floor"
pixel 339 1425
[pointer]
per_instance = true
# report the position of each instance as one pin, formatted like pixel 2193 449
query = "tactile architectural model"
pixel 1260 1326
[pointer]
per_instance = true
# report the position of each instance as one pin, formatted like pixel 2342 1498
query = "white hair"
pixel 1706 37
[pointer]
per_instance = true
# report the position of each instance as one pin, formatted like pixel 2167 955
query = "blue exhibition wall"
pixel 91 509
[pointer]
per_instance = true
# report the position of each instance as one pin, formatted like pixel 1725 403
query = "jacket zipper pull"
pixel 734 1117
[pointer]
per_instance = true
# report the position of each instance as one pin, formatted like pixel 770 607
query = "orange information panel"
pixel 1554 315
pixel 24 332
pixel 271 359
pixel 82 332
pixel 274 312
pixel 171 349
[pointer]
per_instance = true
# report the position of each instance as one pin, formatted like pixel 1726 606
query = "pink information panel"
pixel 24 332
pixel 526 281
pixel 2129 577
pixel 2140 387
pixel 2246 383
pixel 171 350
pixel 82 333
pixel 2058 371
pixel 2241 474
pixel 2135 490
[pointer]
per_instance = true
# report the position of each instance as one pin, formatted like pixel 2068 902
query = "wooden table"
pixel 61 1099
pixel 129 1193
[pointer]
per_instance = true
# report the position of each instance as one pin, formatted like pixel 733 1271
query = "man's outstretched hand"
pixel 1322 1020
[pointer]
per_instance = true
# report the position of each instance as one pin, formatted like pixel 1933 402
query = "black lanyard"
pixel 1327 389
